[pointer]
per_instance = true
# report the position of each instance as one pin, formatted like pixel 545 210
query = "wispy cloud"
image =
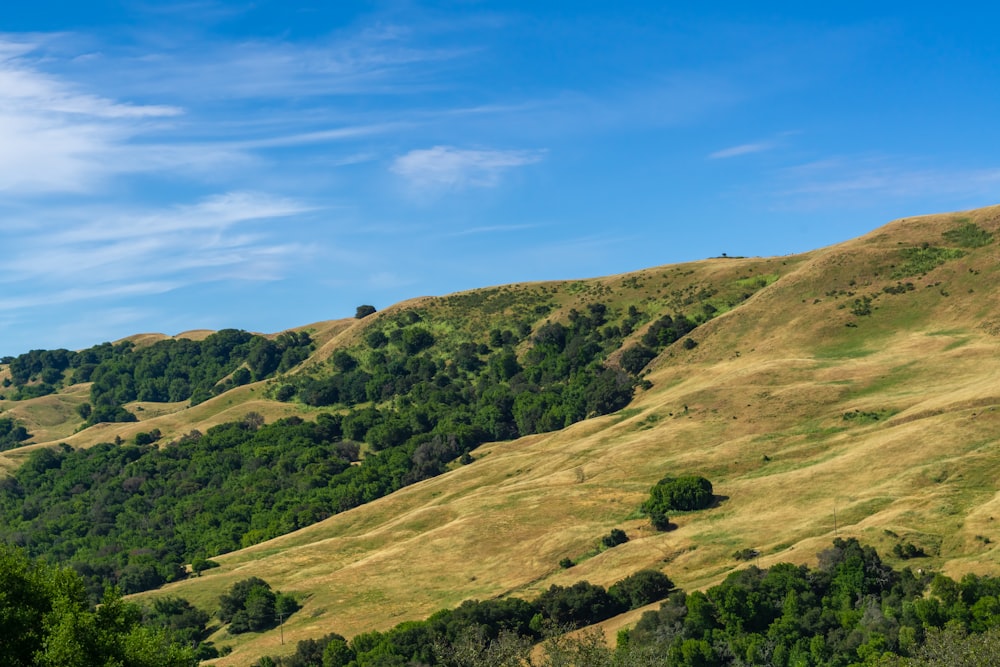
pixel 138 252
pixel 387 60
pixel 447 167
pixel 492 229
pixel 860 179
pixel 55 137
pixel 742 149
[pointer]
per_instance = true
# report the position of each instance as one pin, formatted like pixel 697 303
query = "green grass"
pixel 926 258
pixel 895 377
pixel 852 348
pixel 968 235
pixel 757 282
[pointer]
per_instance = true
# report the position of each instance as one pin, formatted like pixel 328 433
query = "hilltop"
pixel 845 391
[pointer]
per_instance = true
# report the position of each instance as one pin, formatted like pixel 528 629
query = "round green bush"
pixel 679 494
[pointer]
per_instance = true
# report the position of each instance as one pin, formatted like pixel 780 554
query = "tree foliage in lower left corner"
pixel 47 621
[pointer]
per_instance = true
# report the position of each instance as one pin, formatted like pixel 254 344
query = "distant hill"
pixel 846 391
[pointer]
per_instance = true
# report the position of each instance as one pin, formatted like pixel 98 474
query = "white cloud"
pixel 54 137
pixel 383 62
pixel 742 149
pixel 447 167
pixel 131 253
pixel 491 229
pixel 216 212
pixel 78 294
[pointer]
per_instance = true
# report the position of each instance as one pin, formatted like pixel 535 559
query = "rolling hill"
pixel 851 391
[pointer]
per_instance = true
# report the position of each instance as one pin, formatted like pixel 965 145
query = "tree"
pixel 364 311
pixel 235 598
pixel 251 606
pixel 635 358
pixel 47 621
pixel 683 494
pixel 12 434
pixel 641 588
pixel 614 538
pixel 578 605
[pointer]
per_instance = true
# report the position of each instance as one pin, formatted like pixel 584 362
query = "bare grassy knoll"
pixel 854 392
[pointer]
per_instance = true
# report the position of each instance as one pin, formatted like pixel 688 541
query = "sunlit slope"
pixel 824 404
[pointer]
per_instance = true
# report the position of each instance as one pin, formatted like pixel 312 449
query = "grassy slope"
pixel 757 407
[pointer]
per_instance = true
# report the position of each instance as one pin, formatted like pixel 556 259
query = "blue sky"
pixel 176 165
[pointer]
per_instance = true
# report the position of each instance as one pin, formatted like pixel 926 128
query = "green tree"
pixel 46 621
pixel 641 588
pixel 682 494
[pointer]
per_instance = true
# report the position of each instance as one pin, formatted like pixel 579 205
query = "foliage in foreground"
pixel 46 620
pixel 852 609
pixel 497 631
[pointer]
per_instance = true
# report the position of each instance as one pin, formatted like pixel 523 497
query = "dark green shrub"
pixel 684 494
pixel 376 339
pixel 251 606
pixel 666 330
pixel 614 538
pixel 641 588
pixel 635 358
pixel 199 565
pixel 578 605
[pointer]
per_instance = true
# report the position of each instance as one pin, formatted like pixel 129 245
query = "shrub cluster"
pixel 464 635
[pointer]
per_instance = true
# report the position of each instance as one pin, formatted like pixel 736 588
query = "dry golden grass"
pixel 51 417
pixel 757 407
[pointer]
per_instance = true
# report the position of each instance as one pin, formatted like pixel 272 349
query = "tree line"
pixel 170 370
pixel 851 609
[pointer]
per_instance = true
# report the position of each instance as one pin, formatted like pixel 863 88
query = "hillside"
pixel 847 391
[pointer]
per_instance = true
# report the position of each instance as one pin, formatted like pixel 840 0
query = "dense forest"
pixel 401 407
pixel 133 515
pixel 416 381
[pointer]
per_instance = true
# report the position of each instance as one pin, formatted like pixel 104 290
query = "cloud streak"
pixel 54 137
pixel 862 179
pixel 742 149
pixel 451 168
pixel 223 237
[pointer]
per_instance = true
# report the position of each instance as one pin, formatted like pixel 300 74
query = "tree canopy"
pixel 46 620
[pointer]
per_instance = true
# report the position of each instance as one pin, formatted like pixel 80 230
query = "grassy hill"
pixel 847 391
